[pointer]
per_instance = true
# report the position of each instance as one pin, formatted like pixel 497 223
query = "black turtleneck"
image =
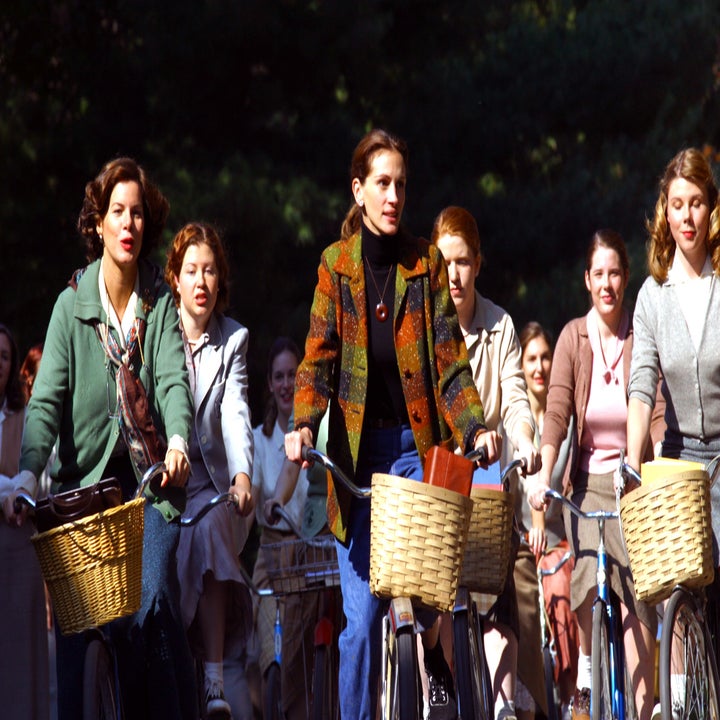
pixel 385 399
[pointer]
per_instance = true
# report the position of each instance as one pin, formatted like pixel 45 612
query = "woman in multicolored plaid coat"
pixel 386 352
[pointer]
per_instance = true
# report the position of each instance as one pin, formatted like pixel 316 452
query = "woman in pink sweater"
pixel 589 381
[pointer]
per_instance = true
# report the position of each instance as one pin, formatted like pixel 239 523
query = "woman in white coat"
pixel 221 448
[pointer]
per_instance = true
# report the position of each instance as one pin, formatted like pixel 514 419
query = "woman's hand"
pixel 242 490
pixel 270 517
pixel 13 518
pixel 492 443
pixel 537 540
pixel 536 489
pixel 527 451
pixel 294 442
pixel 178 469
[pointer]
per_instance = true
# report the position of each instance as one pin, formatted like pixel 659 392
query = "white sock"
pixel 213 674
pixel 584 674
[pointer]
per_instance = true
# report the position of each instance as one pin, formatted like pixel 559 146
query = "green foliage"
pixel 546 118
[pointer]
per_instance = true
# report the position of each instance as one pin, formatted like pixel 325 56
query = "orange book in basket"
pixel 448 470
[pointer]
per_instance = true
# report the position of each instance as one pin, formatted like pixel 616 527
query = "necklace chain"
pixel 372 277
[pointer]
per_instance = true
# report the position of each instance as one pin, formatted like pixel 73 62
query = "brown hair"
pixel 376 141
pixel 691 165
pixel 14 394
pixel 281 345
pixel 196 233
pixel 29 369
pixel 454 220
pixel 612 240
pixel 97 200
pixel 531 331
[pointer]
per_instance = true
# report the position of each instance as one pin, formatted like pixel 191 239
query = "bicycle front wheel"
pixel 324 699
pixel 601 696
pixel 272 701
pixel 550 687
pixel 100 701
pixel 469 667
pixel 688 677
pixel 401 677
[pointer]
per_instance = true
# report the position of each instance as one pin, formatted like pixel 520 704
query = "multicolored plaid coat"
pixel 442 401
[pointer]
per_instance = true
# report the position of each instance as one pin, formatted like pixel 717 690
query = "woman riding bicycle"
pixel 386 352
pixel 119 312
pixel 588 382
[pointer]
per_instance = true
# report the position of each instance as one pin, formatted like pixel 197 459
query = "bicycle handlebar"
pixel 575 510
pixel 313 455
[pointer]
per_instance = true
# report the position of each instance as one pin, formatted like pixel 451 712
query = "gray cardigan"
pixel 691 379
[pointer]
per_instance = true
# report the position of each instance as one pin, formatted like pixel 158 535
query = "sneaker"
pixel 581 704
pixel 441 693
pixel 216 705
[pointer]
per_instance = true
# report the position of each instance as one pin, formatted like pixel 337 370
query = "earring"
pixel 360 203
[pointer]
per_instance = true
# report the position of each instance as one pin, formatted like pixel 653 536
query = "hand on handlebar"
pixel 271 517
pixel 294 442
pixel 530 454
pixel 178 469
pixel 242 491
pixel 492 442
pixel 15 512
pixel 537 487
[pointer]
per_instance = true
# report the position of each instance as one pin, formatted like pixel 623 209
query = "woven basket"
pixel 93 566
pixel 417 536
pixel 668 534
pixel 487 553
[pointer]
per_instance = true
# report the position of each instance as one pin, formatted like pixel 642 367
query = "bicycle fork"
pixel 617 659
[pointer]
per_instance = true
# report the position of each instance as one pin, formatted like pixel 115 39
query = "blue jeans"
pixel 393 452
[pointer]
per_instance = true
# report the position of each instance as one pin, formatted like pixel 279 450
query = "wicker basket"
pixel 417 537
pixel 487 553
pixel 668 534
pixel 93 566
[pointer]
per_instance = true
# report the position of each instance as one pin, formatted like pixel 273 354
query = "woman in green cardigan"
pixel 119 310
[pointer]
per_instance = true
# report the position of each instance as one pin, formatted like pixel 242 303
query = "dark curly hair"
pixel 97 202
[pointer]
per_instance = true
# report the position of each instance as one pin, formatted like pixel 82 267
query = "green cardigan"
pixel 74 390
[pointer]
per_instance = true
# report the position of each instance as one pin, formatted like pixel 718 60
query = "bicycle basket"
pixel 301 565
pixel 667 530
pixel 417 537
pixel 93 566
pixel 487 553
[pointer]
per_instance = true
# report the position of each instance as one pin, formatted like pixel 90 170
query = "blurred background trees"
pixel 546 118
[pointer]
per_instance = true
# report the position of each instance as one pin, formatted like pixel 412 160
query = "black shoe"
pixel 441 692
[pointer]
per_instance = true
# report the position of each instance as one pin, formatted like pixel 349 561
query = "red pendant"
pixel 381 312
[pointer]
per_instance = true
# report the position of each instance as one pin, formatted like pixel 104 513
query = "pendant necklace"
pixel 381 309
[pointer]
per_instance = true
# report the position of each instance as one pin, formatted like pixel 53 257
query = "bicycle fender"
pixel 401 614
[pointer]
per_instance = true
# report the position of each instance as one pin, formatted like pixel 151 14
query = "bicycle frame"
pixel 604 604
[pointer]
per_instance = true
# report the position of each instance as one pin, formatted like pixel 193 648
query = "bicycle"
pixel 401 695
pixel 608 698
pixel 473 683
pixel 689 685
pixel 102 699
pixel 547 639
pixel 304 565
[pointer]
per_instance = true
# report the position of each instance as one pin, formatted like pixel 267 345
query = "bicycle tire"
pixel 272 700
pixel 684 651
pixel 601 707
pixel 100 701
pixel 468 668
pixel 324 698
pixel 401 676
pixel 551 693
